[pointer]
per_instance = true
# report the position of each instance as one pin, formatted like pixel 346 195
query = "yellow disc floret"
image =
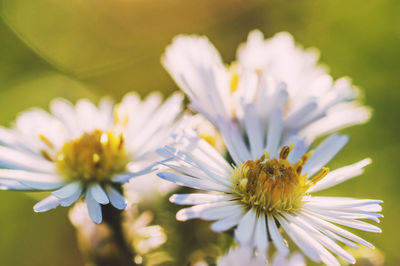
pixel 273 185
pixel 234 76
pixel 95 156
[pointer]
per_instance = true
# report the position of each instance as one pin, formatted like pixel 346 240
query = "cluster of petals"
pixel 313 227
pixel 145 125
pixel 275 96
pixel 268 73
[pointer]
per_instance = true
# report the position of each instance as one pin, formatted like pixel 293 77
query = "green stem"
pixel 119 251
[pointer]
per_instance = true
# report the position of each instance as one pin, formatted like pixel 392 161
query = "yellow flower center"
pixel 95 156
pixel 273 185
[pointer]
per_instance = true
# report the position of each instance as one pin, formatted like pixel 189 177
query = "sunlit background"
pixel 75 49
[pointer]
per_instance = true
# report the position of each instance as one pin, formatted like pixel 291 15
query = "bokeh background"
pixel 75 49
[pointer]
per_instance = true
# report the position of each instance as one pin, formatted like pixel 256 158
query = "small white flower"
pixel 281 260
pixel 137 229
pixel 268 73
pixel 268 187
pixel 244 255
pixel 85 150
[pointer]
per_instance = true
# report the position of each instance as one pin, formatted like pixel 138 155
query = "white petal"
pixel 38 185
pixel 304 241
pixel 227 222
pixel 360 225
pixel 197 183
pixel 276 236
pixel 299 148
pixel 220 212
pixel 116 199
pixel 324 153
pixel 197 67
pixel 245 229
pixel 234 140
pixel 254 131
pixel 98 194
pixel 34 180
pixel 274 133
pixel 198 171
pixel 209 211
pixel 337 230
pixel 346 213
pixel 260 235
pixel 131 105
pixel 338 117
pixel 156 126
pixel 88 115
pixel 341 175
pixel 213 156
pixel 197 165
pixel 296 118
pixel 94 208
pixel 124 178
pixel 208 170
pixel 65 112
pixel 46 204
pixel 224 127
pixel 65 202
pixel 68 190
pixel 197 198
pixel 324 240
pixel 343 202
pixel 12 158
pixel 327 232
pixel 35 122
pixel 13 185
pixel 8 138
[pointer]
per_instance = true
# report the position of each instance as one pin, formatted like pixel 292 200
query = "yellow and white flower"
pixel 268 188
pixel 85 150
pixel 268 73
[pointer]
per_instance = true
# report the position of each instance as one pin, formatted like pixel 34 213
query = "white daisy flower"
pixel 244 255
pixel 268 188
pixel 85 150
pixel 267 73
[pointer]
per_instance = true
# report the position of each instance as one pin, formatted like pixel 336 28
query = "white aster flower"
pixel 244 255
pixel 269 187
pixel 268 73
pixel 85 150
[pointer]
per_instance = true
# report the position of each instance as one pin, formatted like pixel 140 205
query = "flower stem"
pixel 103 244
pixel 120 253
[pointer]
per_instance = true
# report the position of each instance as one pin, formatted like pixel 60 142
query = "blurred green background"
pixel 74 49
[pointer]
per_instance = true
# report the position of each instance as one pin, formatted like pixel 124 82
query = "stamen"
pixel 46 141
pixel 284 152
pixel 320 175
pixel 273 185
pixel 46 155
pixel 95 156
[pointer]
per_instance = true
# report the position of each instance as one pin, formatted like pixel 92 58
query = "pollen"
pixel 93 157
pixel 273 185
pixel 234 76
